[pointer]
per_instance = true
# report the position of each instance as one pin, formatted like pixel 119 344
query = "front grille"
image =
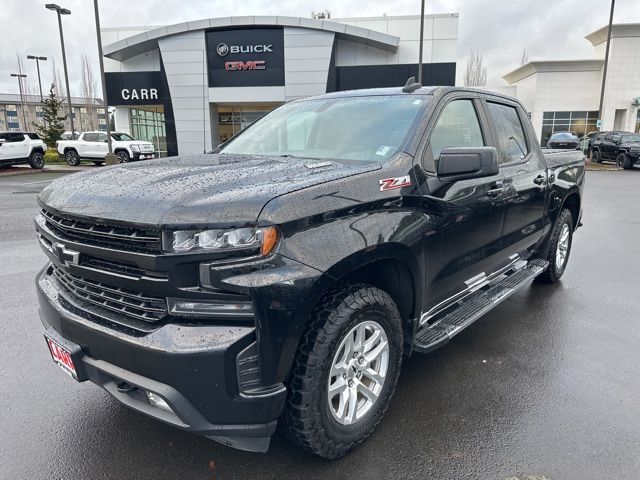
pixel 127 302
pixel 110 236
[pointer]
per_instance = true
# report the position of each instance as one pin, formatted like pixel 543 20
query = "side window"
pixel 90 137
pixel 457 126
pixel 102 137
pixel 33 136
pixel 615 137
pixel 15 137
pixel 511 137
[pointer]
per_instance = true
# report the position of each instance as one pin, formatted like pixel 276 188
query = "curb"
pixel 31 171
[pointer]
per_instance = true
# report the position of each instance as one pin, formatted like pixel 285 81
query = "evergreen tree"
pixel 52 127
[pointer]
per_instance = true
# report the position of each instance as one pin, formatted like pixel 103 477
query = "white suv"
pixel 93 146
pixel 21 147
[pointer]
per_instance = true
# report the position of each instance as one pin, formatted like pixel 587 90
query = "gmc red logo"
pixel 248 65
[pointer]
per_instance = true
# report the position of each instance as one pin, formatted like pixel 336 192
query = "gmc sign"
pixel 248 65
pixel 246 57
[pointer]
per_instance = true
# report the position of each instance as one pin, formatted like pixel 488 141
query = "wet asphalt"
pixel 546 386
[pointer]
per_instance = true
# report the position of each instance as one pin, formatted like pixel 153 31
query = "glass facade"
pixel 579 123
pixel 234 118
pixel 148 124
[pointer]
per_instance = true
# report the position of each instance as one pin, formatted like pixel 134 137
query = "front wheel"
pixel 72 158
pixel 561 242
pixel 123 156
pixel 595 156
pixel 623 161
pixel 345 370
pixel 36 160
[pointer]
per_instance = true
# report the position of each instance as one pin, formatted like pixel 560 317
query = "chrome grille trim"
pixel 111 236
pixel 126 302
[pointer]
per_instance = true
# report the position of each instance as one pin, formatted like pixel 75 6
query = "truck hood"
pixel 190 190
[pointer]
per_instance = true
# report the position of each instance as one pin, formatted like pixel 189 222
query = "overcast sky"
pixel 498 29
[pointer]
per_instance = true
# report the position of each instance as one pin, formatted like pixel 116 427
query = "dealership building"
pixel 564 95
pixel 188 87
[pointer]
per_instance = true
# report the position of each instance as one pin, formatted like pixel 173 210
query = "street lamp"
pixel 110 159
pixel 63 11
pixel 20 76
pixel 38 60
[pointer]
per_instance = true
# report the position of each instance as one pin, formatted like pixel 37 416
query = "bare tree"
pixel 88 92
pixel 525 57
pixel 475 74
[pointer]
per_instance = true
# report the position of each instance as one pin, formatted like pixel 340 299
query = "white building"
pixel 188 87
pixel 564 95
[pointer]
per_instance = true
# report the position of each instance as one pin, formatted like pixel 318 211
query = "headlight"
pixel 262 240
pixel 135 148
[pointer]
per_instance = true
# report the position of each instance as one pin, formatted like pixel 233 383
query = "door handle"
pixel 540 179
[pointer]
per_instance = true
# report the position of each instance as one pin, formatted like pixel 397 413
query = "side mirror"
pixel 462 163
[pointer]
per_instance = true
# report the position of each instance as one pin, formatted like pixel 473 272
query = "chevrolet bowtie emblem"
pixel 64 255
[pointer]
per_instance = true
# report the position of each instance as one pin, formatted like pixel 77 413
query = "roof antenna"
pixel 411 85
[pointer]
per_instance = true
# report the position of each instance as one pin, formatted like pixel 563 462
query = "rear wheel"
pixel 345 371
pixel 561 241
pixel 72 158
pixel 595 156
pixel 36 160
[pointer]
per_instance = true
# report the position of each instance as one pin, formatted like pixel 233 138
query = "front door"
pixel 524 173
pixel 464 244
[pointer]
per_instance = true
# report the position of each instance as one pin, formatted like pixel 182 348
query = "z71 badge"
pixel 395 182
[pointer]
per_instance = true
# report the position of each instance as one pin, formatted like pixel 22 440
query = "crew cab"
pixel 284 277
pixel 93 146
pixel 621 147
pixel 18 148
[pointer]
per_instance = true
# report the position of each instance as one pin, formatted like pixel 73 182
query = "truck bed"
pixel 559 157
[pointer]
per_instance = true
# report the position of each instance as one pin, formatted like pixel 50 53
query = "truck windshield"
pixel 122 137
pixel 345 128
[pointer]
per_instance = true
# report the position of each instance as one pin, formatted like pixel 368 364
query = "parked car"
pixel 591 139
pixel 621 147
pixel 284 277
pixel 22 147
pixel 93 146
pixel 564 140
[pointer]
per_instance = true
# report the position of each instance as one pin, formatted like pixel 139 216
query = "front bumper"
pixel 192 367
pixel 143 156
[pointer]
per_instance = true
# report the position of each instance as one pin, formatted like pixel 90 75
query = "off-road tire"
pixel 72 158
pixel 36 160
pixel 624 161
pixel 308 420
pixel 553 273
pixel 595 156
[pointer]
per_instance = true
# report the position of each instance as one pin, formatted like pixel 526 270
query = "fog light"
pixel 157 401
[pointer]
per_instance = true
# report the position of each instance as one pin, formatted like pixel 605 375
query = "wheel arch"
pixel 573 203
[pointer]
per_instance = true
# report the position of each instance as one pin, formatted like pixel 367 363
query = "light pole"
pixel 63 11
pixel 606 63
pixel 421 42
pixel 38 60
pixel 110 159
pixel 20 76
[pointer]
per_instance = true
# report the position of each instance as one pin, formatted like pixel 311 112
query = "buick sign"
pixel 223 49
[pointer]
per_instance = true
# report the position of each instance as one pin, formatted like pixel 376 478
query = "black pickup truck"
pixel 284 277
pixel 623 147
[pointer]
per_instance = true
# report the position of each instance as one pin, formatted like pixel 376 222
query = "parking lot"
pixel 546 386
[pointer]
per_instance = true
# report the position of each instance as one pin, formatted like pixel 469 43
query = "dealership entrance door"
pixel 147 123
pixel 232 118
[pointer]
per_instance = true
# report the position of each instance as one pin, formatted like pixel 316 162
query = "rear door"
pixel 465 245
pixel 101 146
pixel 20 145
pixel 88 145
pixel 524 173
pixel 608 146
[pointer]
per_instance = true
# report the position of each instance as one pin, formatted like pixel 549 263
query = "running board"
pixel 440 330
